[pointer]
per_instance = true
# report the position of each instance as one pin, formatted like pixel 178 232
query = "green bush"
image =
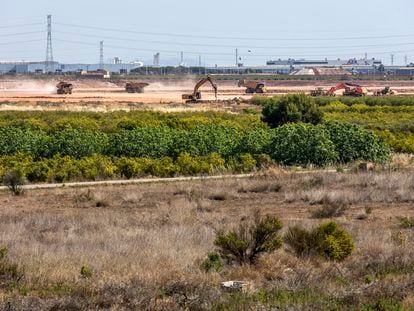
pixel 204 140
pixel 242 163
pixel 212 262
pixel 327 240
pixel 133 167
pixel 86 272
pixel 291 109
pixel 152 142
pixel 164 167
pixel 14 140
pixel 189 165
pixel 96 167
pixel 352 142
pixel 244 245
pixel 302 144
pixel 406 222
pixel 77 143
pixel 63 169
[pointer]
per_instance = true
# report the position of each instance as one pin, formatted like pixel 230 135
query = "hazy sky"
pixel 269 29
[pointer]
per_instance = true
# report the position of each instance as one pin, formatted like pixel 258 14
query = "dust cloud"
pixel 28 86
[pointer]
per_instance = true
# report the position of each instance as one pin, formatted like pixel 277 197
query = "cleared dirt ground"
pixel 98 95
pixel 145 243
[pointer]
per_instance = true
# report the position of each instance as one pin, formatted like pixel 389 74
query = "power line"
pixel 20 25
pixel 220 54
pixel 232 46
pixel 22 33
pixel 18 42
pixel 167 34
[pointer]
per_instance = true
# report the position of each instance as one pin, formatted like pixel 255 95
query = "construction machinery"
pixel 196 95
pixel 385 91
pixel 135 87
pixel 350 89
pixel 252 87
pixel 318 92
pixel 64 87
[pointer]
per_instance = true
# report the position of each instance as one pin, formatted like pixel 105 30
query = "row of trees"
pixel 299 144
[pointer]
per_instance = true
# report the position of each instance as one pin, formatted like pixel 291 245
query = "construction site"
pixel 206 156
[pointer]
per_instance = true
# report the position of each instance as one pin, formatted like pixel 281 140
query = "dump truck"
pixel 252 87
pixel 385 91
pixel 196 95
pixel 64 88
pixel 135 87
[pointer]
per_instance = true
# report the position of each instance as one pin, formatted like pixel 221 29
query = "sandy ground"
pixel 106 96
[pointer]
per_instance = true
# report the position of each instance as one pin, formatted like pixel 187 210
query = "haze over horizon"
pixel 260 30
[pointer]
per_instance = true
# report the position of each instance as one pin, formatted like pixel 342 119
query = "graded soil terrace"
pixel 100 95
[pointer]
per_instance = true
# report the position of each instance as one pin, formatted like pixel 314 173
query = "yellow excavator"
pixel 196 95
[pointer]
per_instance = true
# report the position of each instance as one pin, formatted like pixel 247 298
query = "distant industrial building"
pixel 324 67
pixel 39 67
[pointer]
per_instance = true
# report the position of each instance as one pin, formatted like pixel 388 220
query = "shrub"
pixel 38 171
pixel 77 143
pixel 153 142
pixel 244 245
pixel 189 165
pixel 291 109
pixel 242 163
pixel 212 262
pixel 14 181
pixel 326 240
pixel 164 167
pixel 86 272
pixel 204 140
pixel 255 142
pixel 330 210
pixel 334 242
pixel 96 167
pixel 10 273
pixel 14 139
pixel 406 222
pixel 62 168
pixel 302 144
pixel 352 142
pixel 133 167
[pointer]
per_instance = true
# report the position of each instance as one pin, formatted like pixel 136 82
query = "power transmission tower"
pixel 237 57
pixel 406 60
pixel 182 59
pixel 392 59
pixel 49 65
pixel 101 56
pixel 157 60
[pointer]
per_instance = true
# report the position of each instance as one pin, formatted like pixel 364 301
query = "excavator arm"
pixel 196 94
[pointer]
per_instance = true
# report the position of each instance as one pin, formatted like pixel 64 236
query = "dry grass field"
pixel 142 246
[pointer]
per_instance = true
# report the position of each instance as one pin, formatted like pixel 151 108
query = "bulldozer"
pixel 318 92
pixel 64 88
pixel 135 87
pixel 196 95
pixel 252 87
pixel 385 91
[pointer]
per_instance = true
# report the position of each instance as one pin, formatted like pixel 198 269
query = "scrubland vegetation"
pixel 58 147
pixel 390 117
pixel 169 246
pixel 296 241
